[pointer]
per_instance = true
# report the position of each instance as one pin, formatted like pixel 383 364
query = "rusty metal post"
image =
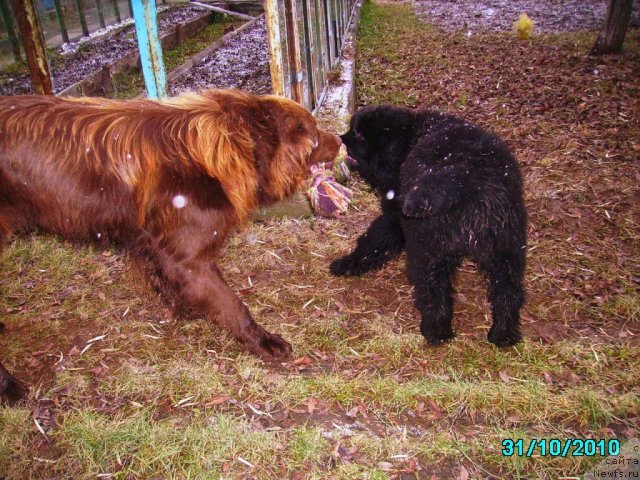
pixel 61 22
pixel 83 18
pixel 34 46
pixel 274 34
pixel 13 39
pixel 293 49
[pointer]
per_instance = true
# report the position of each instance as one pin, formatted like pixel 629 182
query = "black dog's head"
pixel 378 142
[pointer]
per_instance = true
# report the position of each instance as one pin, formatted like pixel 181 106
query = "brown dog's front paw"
pixel 269 346
pixel 275 347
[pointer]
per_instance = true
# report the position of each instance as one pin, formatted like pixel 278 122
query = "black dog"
pixel 449 190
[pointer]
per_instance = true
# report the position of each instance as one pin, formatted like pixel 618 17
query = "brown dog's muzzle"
pixel 327 149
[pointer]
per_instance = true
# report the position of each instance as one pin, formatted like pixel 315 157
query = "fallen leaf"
pixel 385 466
pixel 353 413
pixel 217 400
pixel 302 361
pixel 463 474
pixel 312 403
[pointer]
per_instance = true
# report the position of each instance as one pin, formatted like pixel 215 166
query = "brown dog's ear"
pixel 223 146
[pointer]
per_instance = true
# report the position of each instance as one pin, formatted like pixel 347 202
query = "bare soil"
pixel 240 63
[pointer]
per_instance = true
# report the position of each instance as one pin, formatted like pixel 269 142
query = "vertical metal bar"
pixel 83 19
pixel 293 48
pixel 323 33
pixel 340 21
pixel 100 13
pixel 334 29
pixel 60 15
pixel 34 46
pixel 274 34
pixel 329 32
pixel 320 48
pixel 130 8
pixel 13 38
pixel 306 27
pixel 155 79
pixel 116 10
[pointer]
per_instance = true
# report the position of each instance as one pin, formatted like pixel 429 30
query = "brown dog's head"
pixel 259 147
pixel 295 143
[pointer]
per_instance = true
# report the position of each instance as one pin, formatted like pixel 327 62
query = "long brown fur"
pixel 106 171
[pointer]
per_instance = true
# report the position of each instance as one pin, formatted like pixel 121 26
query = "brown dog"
pixel 167 180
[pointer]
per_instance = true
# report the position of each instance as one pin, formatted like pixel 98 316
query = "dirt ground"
pixel 549 16
pixel 240 63
pixel 73 62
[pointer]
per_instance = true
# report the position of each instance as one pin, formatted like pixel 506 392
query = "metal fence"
pixel 305 38
pixel 305 42
pixel 61 21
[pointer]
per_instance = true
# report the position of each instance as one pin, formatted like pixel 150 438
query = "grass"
pixel 363 397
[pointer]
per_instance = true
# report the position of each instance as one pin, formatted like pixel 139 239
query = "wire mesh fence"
pixel 61 21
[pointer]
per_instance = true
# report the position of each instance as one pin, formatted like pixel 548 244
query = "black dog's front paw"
pixel 345 267
pixel 504 337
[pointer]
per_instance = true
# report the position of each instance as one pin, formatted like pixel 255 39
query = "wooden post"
pixel 63 26
pixel 116 10
pixel 293 49
pixel 276 57
pixel 155 79
pixel 34 46
pixel 100 13
pixel 13 39
pixel 83 19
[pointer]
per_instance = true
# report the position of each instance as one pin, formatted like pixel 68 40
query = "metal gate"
pixel 305 42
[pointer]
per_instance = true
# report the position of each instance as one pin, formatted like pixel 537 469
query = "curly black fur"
pixel 449 190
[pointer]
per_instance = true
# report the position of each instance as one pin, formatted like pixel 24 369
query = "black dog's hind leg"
pixel 435 193
pixel 432 279
pixel 383 241
pixel 10 388
pixel 505 271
